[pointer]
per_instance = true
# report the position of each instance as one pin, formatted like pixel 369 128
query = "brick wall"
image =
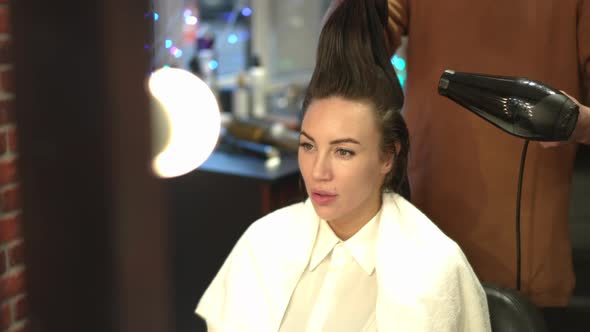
pixel 12 288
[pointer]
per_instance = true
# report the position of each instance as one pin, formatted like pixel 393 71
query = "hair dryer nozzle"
pixel 519 106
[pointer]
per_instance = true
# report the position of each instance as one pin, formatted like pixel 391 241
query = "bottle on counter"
pixel 241 98
pixel 257 78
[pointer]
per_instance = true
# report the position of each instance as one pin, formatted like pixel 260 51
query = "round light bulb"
pixel 186 121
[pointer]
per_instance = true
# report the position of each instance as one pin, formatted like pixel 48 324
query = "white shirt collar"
pixel 324 243
pixel 362 245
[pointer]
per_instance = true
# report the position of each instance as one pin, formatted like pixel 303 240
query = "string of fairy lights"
pixel 190 21
pixel 171 49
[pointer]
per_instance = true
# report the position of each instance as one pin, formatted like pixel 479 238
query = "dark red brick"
pixel 6 55
pixel 7 111
pixel 7 80
pixel 3 142
pixel 5 316
pixel 2 262
pixel 4 19
pixel 12 284
pixel 9 228
pixel 16 255
pixel 12 140
pixel 10 199
pixel 8 171
pixel 20 308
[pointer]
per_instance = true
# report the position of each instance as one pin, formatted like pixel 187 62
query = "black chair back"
pixel 512 312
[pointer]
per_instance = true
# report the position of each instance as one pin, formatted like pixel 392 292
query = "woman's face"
pixel 340 160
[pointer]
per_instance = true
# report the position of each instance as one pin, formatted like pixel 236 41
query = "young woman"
pixel 355 256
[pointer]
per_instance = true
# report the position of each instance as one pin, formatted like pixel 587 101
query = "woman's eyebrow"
pixel 336 141
pixel 345 140
pixel 307 135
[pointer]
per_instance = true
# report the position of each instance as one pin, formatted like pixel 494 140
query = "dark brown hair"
pixel 352 62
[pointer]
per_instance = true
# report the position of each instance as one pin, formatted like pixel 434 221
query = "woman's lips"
pixel 322 197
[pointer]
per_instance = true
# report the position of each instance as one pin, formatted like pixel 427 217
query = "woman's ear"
pixel 388 164
pixel 389 159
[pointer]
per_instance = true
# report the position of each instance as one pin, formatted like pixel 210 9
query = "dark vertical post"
pixel 95 238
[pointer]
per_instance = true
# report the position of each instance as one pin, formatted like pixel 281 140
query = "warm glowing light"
pixel 191 20
pixel 189 116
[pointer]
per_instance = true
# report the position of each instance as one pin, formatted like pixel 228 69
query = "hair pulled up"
pixel 352 62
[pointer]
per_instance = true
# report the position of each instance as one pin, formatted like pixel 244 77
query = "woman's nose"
pixel 322 170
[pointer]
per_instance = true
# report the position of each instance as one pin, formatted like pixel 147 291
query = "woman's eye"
pixel 345 153
pixel 306 146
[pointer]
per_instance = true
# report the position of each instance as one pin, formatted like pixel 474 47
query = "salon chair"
pixel 511 312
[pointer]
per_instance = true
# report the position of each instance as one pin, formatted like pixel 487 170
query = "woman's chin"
pixel 324 212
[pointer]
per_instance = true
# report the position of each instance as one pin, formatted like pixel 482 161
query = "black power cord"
pixel 518 198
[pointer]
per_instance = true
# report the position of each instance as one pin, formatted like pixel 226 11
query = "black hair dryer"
pixel 519 106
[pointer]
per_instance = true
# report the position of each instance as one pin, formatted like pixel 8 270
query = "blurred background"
pixel 93 236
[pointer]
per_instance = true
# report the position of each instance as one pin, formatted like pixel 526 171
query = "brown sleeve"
pixel 397 23
pixel 584 49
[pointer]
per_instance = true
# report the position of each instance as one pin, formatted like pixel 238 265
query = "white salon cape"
pixel 424 282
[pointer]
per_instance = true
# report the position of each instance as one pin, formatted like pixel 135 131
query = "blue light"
pixel 156 16
pixel 168 43
pixel 213 64
pixel 398 63
pixel 227 17
pixel 402 80
pixel 246 11
pixel 178 53
pixel 232 39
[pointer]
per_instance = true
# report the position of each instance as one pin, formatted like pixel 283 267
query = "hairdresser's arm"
pixel 397 23
pixel 581 133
